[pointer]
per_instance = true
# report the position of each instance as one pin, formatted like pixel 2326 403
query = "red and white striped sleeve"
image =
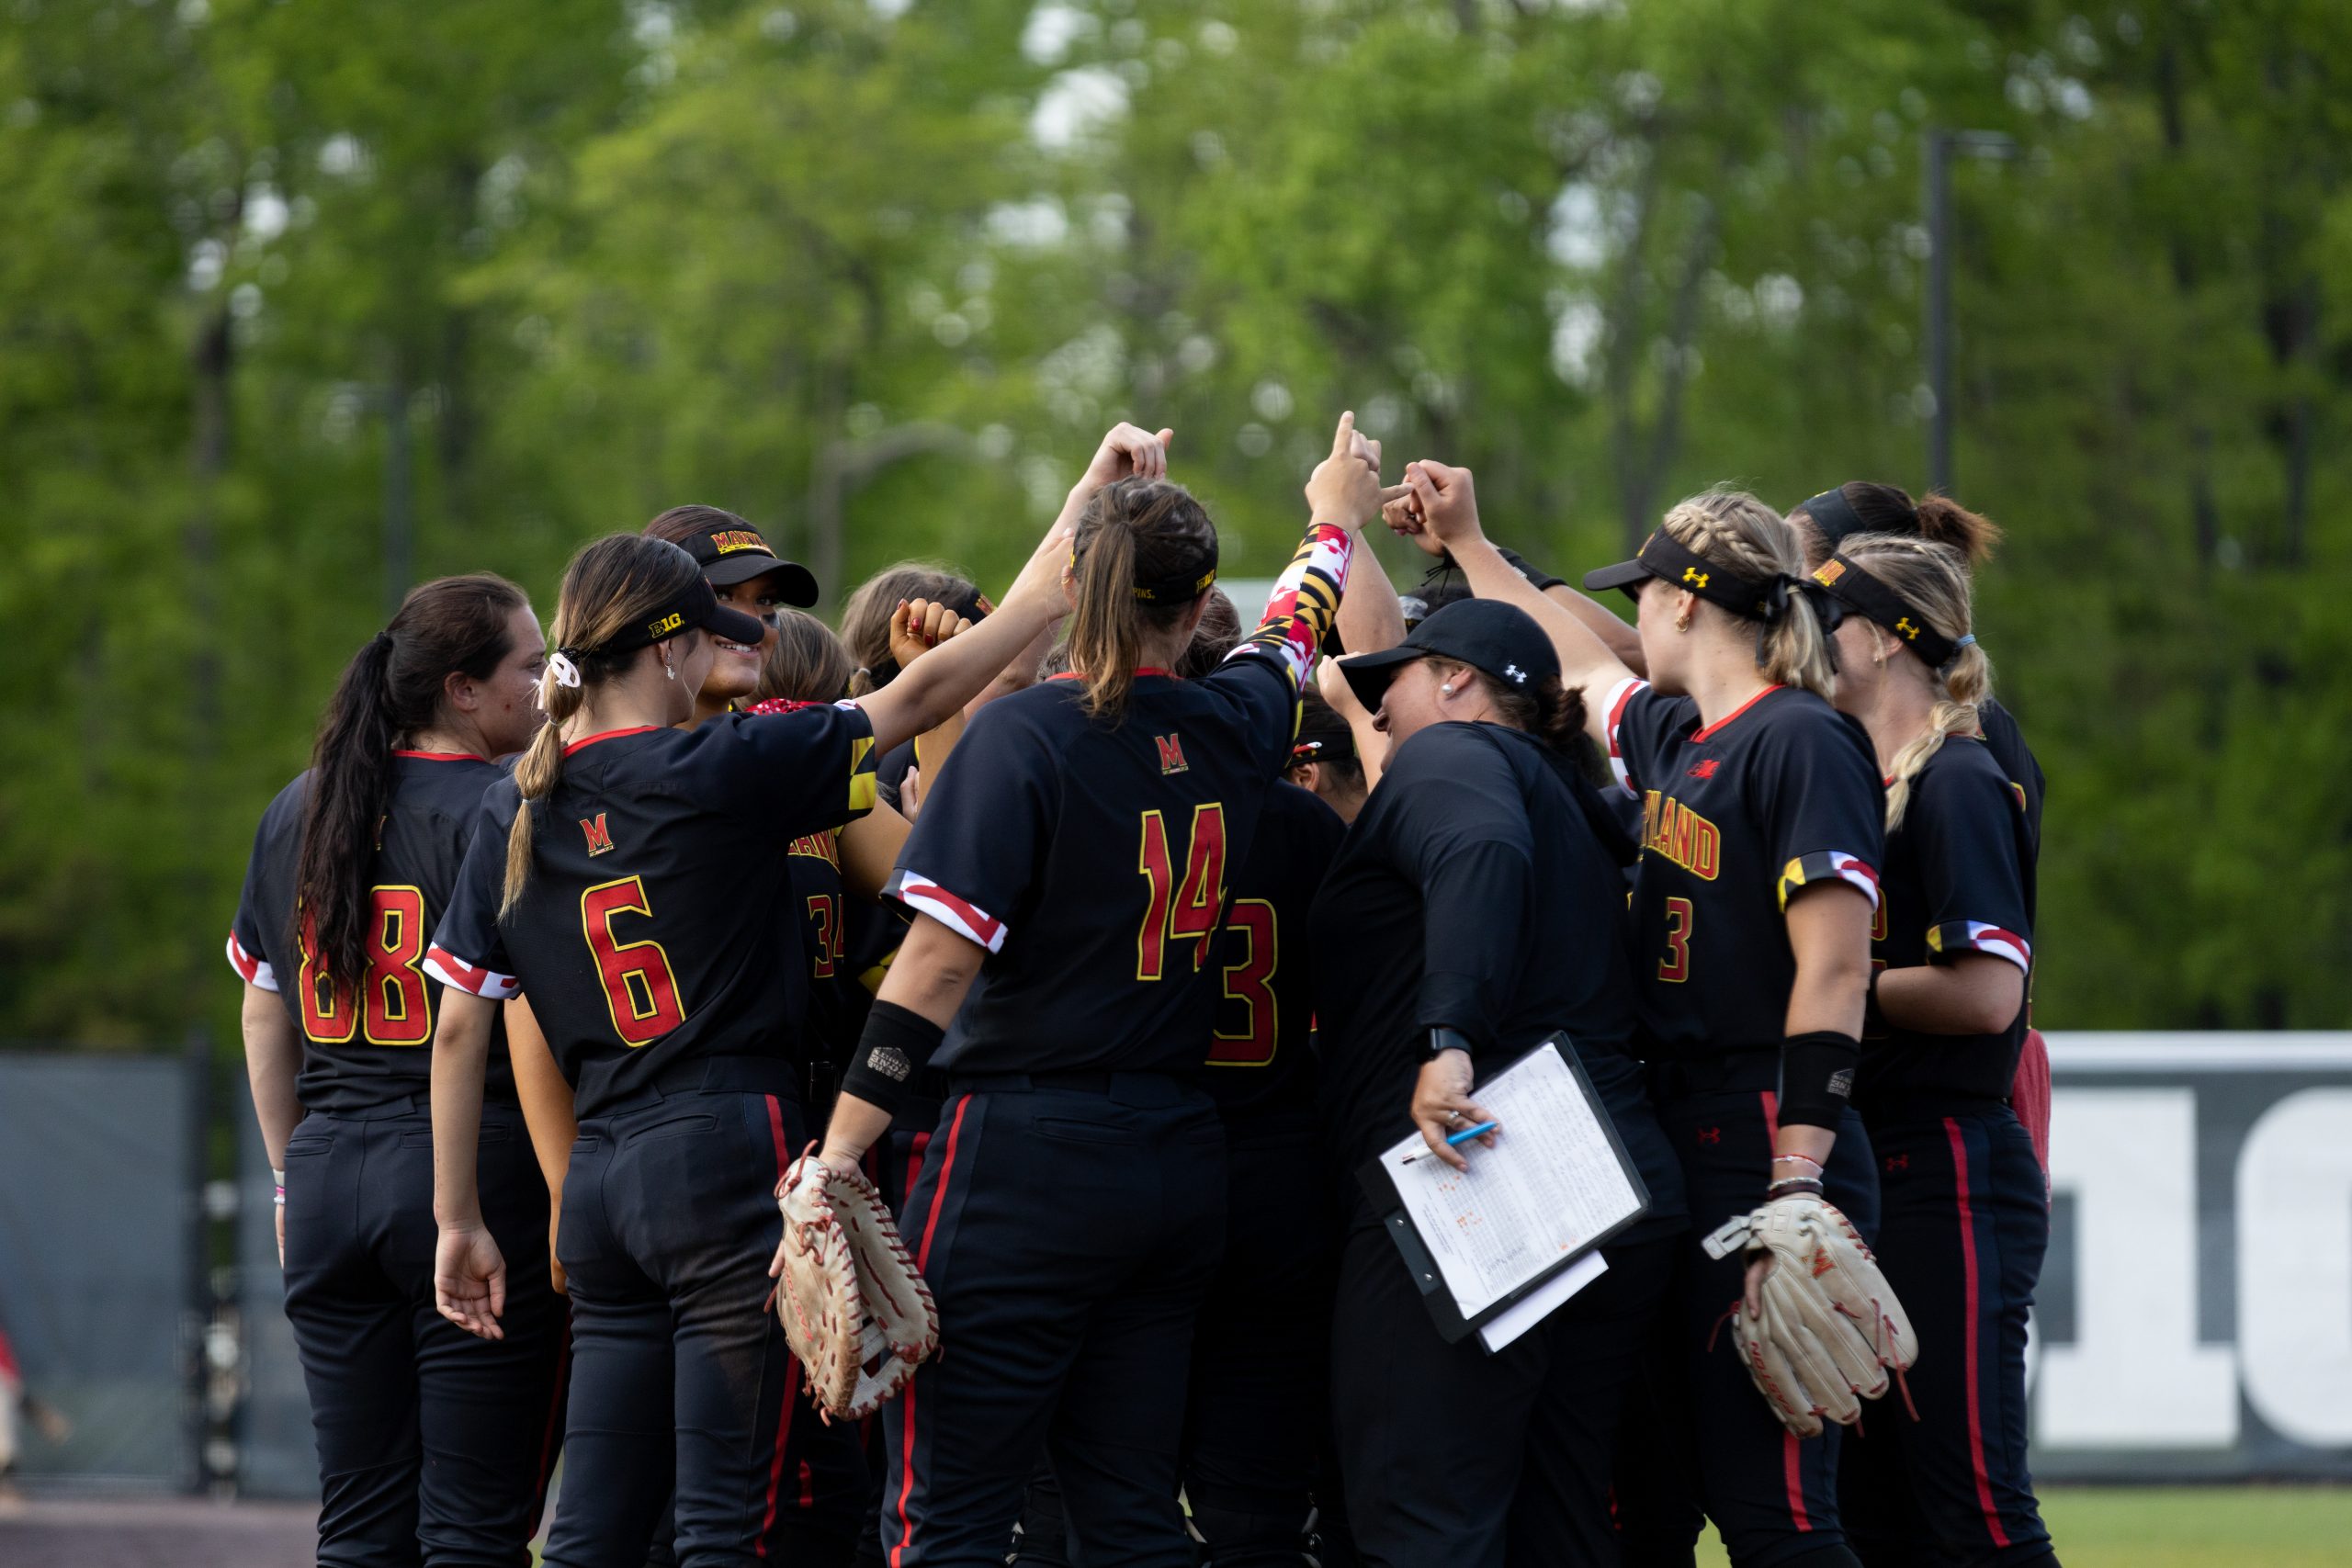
pixel 926 897
pixel 1620 696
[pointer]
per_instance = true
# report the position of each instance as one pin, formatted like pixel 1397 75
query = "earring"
pixel 1682 622
pixel 1445 691
pixel 668 671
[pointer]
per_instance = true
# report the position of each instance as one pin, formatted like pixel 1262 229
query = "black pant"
pixel 1069 1234
pixel 1773 1498
pixel 681 1376
pixel 1257 1461
pixel 1963 1226
pixel 1456 1456
pixel 434 1446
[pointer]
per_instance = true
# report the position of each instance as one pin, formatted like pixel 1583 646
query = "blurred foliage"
pixel 301 303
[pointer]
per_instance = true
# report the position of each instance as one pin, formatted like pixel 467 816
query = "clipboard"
pixel 1438 1293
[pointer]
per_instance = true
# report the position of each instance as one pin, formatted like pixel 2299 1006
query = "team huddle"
pixel 897 1094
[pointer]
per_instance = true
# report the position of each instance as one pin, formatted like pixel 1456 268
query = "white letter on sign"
pixel 2135 1376
pixel 2295 1267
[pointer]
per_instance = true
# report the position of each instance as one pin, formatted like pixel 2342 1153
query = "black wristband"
pixel 1817 1077
pixel 1441 1040
pixel 890 1055
pixel 1792 1186
pixel 1534 574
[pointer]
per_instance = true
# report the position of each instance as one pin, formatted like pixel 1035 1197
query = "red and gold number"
pixel 640 990
pixel 1185 906
pixel 826 913
pixel 1675 966
pixel 395 1008
pixel 1249 982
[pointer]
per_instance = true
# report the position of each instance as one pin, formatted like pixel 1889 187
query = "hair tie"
pixel 1966 640
pixel 565 671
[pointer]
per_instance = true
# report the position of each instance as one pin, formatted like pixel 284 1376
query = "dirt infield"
pixel 155 1533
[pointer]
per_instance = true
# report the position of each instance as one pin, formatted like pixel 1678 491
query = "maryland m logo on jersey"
pixel 1171 754
pixel 600 837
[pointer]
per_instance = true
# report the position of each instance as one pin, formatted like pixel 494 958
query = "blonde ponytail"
pixel 1748 539
pixel 1135 532
pixel 1933 578
pixel 611 584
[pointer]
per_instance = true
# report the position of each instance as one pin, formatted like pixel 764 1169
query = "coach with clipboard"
pixel 1468 931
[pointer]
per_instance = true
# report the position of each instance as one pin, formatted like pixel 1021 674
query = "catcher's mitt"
pixel 853 1309
pixel 1830 1328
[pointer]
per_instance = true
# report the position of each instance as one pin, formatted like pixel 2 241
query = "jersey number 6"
pixel 1185 907
pixel 640 992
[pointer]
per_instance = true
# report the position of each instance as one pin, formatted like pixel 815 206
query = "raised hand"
pixel 918 625
pixel 1128 452
pixel 1344 489
pixel 1444 499
pixel 1403 516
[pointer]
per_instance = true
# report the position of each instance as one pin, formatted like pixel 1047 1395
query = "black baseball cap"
pixel 692 605
pixel 1491 637
pixel 734 552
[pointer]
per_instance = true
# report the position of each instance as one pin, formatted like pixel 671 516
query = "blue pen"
pixel 1454 1140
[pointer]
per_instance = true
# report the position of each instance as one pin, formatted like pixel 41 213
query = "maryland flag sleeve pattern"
pixel 1830 866
pixel 1305 603
pixel 1977 936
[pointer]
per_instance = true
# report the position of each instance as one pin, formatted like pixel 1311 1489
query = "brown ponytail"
pixel 1134 531
pixel 610 585
pixel 805 663
pixel 1933 580
pixel 1889 509
pixel 1748 539
pixel 391 690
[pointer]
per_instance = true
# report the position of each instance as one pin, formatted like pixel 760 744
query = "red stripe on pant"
pixel 792 1362
pixel 1792 1460
pixel 922 1261
pixel 1968 1274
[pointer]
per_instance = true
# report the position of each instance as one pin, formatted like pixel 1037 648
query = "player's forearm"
pixel 273 1060
pixel 460 1058
pixel 548 1105
pixel 1585 659
pixel 1370 619
pixel 870 846
pixel 936 686
pixel 855 1127
pixel 1018 676
pixel 1621 639
pixel 1976 993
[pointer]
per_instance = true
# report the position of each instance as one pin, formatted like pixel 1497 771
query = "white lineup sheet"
pixel 1552 1182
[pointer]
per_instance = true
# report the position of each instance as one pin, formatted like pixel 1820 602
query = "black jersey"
pixel 821 903
pixel 1263 1062
pixel 656 927
pixel 1954 882
pixel 1090 858
pixel 1474 892
pixel 1737 816
pixel 2007 742
pixel 363 1052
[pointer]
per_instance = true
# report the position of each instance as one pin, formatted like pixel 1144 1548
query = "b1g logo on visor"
pixel 666 625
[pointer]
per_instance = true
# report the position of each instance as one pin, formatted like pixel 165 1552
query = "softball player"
pixel 1858 507
pixel 1073 1211
pixel 1473 913
pixel 1751 911
pixel 434 1446
pixel 1256 1447
pixel 1963 1219
pixel 745 575
pixel 630 878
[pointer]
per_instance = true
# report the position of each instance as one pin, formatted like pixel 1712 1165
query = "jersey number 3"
pixel 1180 907
pixel 640 992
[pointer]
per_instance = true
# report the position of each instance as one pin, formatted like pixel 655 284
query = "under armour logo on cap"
pixel 1515 673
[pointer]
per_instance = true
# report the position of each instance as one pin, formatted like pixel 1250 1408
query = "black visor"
pixel 1869 597
pixel 694 606
pixel 729 555
pixel 1665 558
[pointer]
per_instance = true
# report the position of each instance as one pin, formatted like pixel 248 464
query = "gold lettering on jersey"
pixel 600 837
pixel 730 540
pixel 1672 829
pixel 1171 754
pixel 818 846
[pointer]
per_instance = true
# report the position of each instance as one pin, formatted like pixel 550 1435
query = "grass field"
pixel 2234 1526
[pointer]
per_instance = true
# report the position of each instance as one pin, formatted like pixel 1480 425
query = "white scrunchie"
pixel 565 671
